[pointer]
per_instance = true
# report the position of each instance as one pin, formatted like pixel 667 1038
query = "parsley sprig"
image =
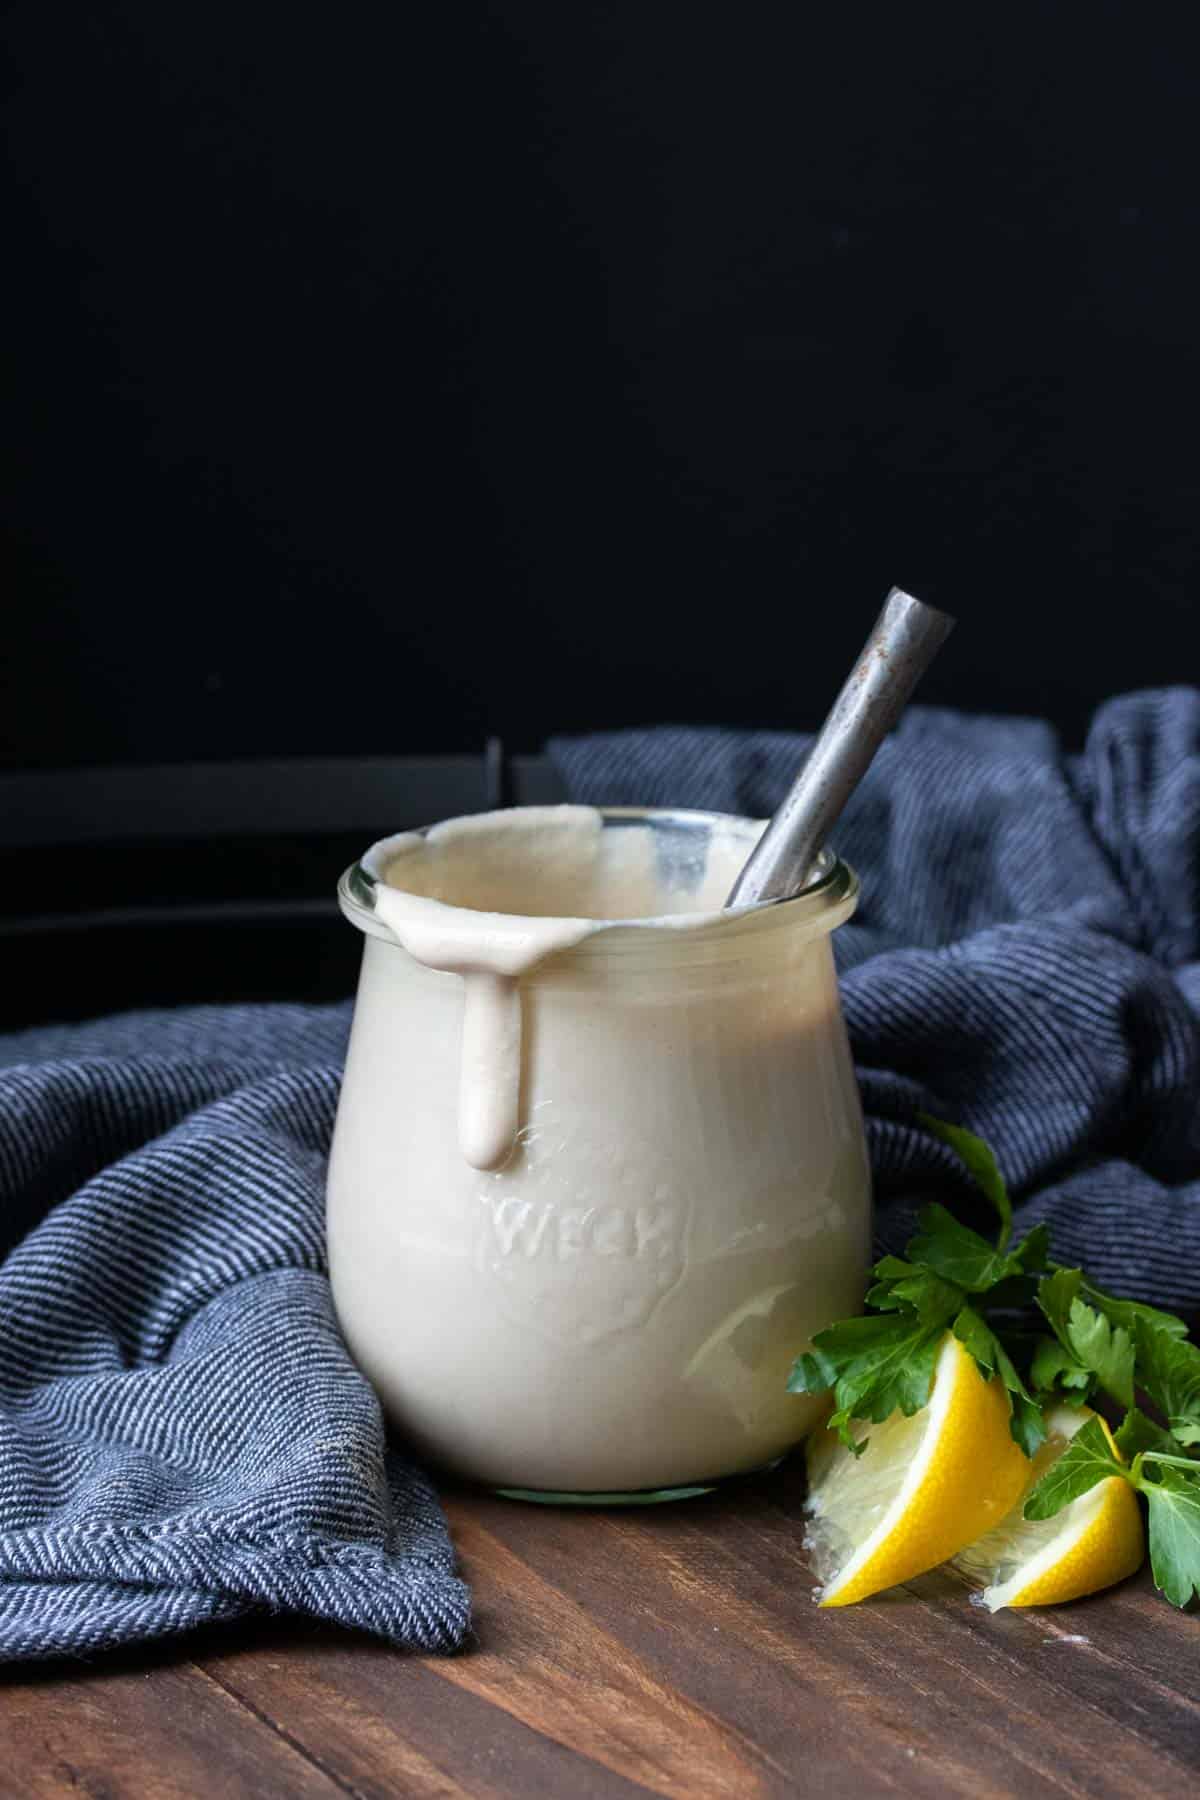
pixel 1085 1345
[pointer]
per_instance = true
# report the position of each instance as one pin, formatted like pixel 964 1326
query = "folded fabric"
pixel 1025 958
pixel 183 1437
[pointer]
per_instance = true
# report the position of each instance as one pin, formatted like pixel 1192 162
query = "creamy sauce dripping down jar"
pixel 599 1172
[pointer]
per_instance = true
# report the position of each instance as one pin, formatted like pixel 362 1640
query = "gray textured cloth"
pixel 183 1437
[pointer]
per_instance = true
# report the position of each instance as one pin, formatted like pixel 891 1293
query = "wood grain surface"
pixel 672 1650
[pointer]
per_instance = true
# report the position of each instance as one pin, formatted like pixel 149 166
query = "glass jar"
pixel 613 1312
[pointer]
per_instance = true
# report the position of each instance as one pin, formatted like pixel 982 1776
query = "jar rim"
pixel 823 903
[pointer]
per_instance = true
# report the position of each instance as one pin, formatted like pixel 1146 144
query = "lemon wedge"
pixel 922 1489
pixel 1089 1545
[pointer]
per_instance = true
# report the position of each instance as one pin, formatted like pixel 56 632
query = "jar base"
pixel 637 1496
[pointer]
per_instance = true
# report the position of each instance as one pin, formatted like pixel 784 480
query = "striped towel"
pixel 1025 959
pixel 183 1437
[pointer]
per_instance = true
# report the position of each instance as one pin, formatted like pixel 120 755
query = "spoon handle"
pixel 904 641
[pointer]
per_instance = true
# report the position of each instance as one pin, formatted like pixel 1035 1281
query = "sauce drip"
pixel 559 854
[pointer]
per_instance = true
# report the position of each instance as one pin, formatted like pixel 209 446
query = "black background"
pixel 385 377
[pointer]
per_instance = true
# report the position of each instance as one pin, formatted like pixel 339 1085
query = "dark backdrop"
pixel 382 377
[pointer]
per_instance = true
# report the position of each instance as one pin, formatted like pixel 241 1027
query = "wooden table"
pixel 672 1650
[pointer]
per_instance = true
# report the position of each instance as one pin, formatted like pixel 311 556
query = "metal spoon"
pixel 906 637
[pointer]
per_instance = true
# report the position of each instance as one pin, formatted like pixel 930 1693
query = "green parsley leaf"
pixel 1055 1295
pixel 979 1338
pixel 1091 1340
pixel 1128 1312
pixel 812 1373
pixel 899 1284
pixel 1086 1460
pixel 892 1268
pixel 1136 1434
pixel 1104 1348
pixel 1025 1423
pixel 981 1164
pixel 1054 1368
pixel 1174 1506
pixel 885 1363
pixel 1027 1427
pixel 888 1270
pixel 955 1252
pixel 875 1366
pixel 1033 1252
pixel 1168 1370
pixel 929 1296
